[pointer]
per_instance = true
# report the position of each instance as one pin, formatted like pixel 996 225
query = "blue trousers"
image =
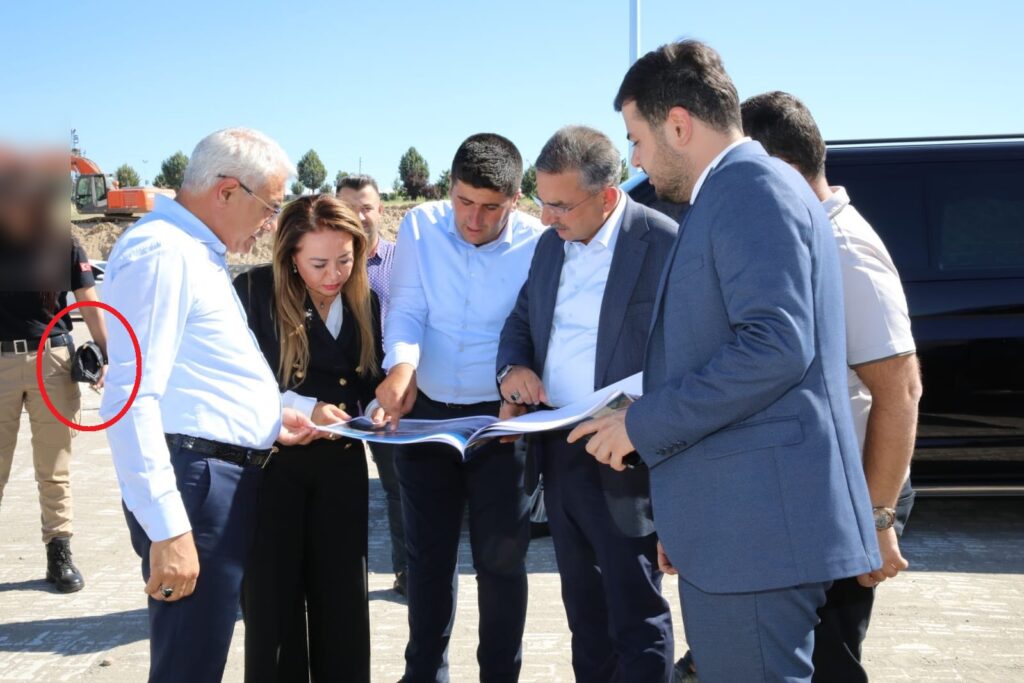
pixel 189 639
pixel 611 587
pixel 436 488
pixel 752 637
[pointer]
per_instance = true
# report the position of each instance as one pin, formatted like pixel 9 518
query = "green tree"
pixel 327 188
pixel 414 172
pixel 529 184
pixel 444 183
pixel 126 176
pixel 624 171
pixel 172 171
pixel 397 189
pixel 311 170
pixel 298 188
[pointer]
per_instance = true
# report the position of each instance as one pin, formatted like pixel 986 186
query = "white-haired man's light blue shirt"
pixel 203 373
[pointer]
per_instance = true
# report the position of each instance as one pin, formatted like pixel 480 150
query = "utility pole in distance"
pixel 634 54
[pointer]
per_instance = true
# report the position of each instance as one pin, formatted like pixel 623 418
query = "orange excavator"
pixel 96 192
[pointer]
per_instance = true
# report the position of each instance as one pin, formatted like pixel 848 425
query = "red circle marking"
pixel 138 365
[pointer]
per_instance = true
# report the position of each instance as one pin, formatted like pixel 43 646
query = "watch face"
pixel 884 518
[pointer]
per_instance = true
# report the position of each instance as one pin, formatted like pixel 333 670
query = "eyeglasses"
pixel 560 210
pixel 274 210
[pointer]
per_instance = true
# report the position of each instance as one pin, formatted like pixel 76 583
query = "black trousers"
pixel 384 456
pixel 189 639
pixel 611 586
pixel 436 487
pixel 845 617
pixel 305 593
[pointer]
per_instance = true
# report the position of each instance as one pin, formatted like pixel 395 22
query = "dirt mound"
pixel 97 238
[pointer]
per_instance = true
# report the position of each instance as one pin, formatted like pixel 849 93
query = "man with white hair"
pixel 189 452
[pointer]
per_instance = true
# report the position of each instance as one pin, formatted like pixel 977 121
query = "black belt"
pixel 483 407
pixel 23 346
pixel 222 451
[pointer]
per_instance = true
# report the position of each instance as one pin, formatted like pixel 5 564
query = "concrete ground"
pixel 955 616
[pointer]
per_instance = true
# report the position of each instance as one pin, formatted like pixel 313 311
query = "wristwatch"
pixel 884 517
pixel 502 374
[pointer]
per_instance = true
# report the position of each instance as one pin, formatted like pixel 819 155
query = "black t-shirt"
pixel 25 315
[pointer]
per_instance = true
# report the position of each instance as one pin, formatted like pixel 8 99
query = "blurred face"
pixel 668 168
pixel 574 212
pixel 248 213
pixel 480 214
pixel 366 202
pixel 324 260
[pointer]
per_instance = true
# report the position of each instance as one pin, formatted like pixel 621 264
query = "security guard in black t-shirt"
pixel 24 316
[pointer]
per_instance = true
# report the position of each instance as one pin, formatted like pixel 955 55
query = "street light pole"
pixel 634 54
pixel 634 31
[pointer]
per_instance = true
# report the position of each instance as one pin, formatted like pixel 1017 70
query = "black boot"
pixel 60 570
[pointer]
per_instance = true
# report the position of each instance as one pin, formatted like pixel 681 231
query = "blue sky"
pixel 367 80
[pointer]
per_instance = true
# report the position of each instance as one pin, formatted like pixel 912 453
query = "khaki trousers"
pixel 51 440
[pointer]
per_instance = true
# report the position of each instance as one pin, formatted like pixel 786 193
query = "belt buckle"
pixel 266 461
pixel 23 346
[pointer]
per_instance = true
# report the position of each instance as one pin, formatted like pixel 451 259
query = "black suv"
pixel 951 213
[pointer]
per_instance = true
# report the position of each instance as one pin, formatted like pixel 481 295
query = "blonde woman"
pixel 318 324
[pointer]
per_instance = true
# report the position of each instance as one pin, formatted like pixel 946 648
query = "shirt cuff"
pixel 298 402
pixel 164 518
pixel 402 353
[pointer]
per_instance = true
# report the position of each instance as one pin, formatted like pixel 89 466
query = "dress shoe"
pixel 60 570
pixel 400 583
pixel 685 672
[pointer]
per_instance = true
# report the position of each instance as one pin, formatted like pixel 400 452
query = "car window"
pixel 978 215
pixel 891 197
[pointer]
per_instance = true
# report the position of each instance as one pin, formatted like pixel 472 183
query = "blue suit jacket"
pixel 644 241
pixel 756 478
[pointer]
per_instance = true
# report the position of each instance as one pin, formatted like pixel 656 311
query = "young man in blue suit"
pixel 758 491
pixel 579 324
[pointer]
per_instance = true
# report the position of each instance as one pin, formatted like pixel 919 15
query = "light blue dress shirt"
pixel 449 300
pixel 572 346
pixel 202 371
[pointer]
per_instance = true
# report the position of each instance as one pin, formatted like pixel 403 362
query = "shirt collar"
pixel 383 248
pixel 504 238
pixel 188 223
pixel 608 235
pixel 711 167
pixel 836 202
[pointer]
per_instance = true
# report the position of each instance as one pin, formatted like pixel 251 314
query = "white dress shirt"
pixel 572 348
pixel 449 301
pixel 203 373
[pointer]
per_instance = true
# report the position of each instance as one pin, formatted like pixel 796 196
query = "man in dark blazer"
pixel 758 490
pixel 579 324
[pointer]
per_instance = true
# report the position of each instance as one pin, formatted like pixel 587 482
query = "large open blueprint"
pixel 467 433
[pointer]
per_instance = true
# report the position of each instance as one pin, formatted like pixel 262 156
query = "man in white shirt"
pixel 189 451
pixel 884 378
pixel 580 324
pixel 458 267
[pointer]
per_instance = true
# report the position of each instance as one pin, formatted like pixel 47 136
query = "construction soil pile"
pixel 98 238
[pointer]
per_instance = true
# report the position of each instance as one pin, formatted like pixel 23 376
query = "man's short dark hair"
pixel 358 182
pixel 785 128
pixel 583 149
pixel 687 74
pixel 489 161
